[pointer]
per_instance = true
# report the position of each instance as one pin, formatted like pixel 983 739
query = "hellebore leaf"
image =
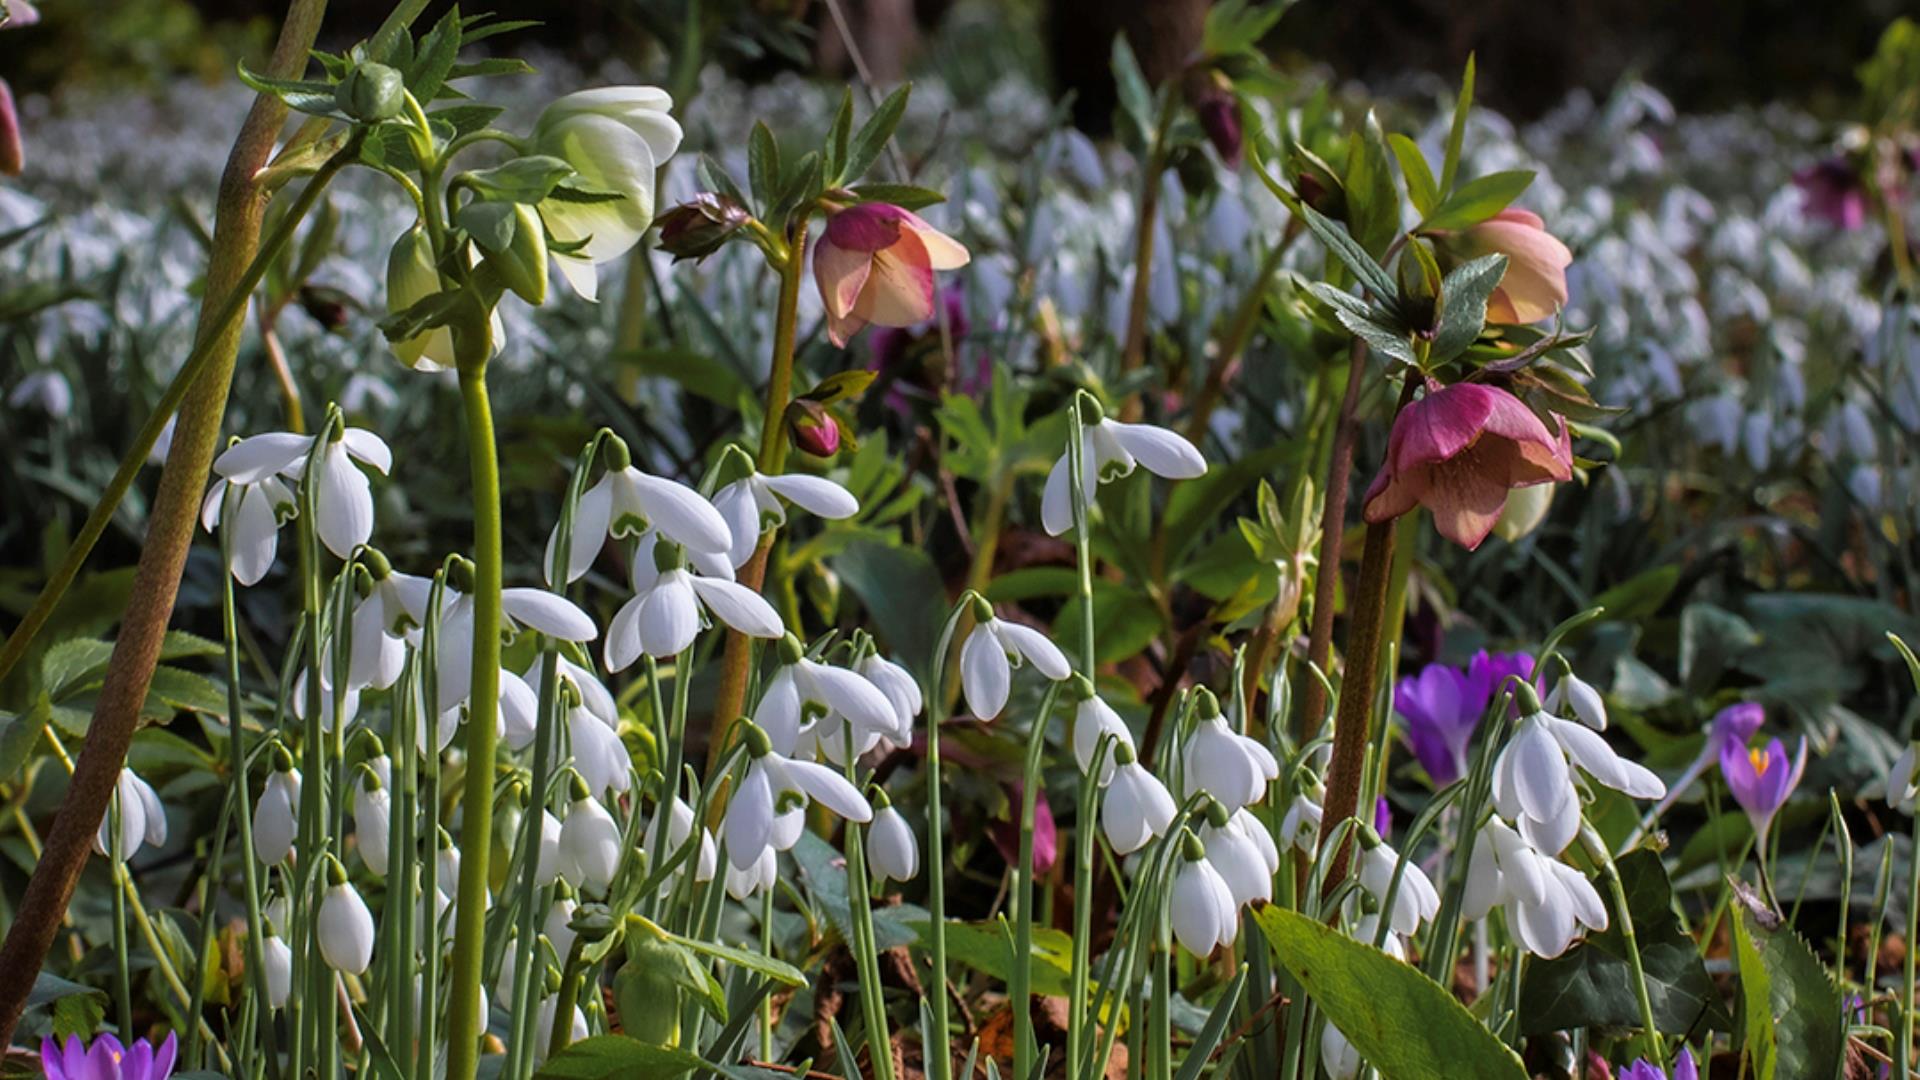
pixel 312 97
pixel 433 60
pixel 763 165
pixel 1368 323
pixel 1413 165
pixel 1457 134
pixel 1477 200
pixel 1756 999
pixel 1801 1013
pixel 1592 983
pixel 523 180
pixel 1343 247
pixel 1463 305
pixel 1373 201
pixel 617 1057
pixel 868 143
pixel 1406 1024
pixel 904 196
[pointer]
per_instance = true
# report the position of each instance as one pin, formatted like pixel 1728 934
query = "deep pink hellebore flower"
pixel 107 1059
pixel 1535 285
pixel 13 156
pixel 1458 451
pixel 875 263
pixel 1831 191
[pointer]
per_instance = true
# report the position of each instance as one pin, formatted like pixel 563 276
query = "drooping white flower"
pixel 536 609
pixel 892 851
pixel 1903 781
pixel 1093 718
pixel 1415 902
pixel 142 817
pixel 1300 828
pixel 752 505
pixel 987 660
pixel 372 816
pixel 1572 692
pixel 589 844
pixel 757 876
pixel 669 607
pixel 1110 450
pixel 347 708
pixel 543 1026
pixel 1533 779
pixel 615 138
pixel 558 925
pixel 253 514
pixel 809 703
pixel 902 691
pixel 1202 905
pixel 599 756
pixel 275 821
pixel 627 502
pixel 1236 851
pixel 276 960
pixel 46 390
pixel 1231 767
pixel 345 927
pixel 547 865
pixel 594 695
pixel 1545 900
pixel 679 831
pixel 1137 807
pixel 343 497
pixel 751 813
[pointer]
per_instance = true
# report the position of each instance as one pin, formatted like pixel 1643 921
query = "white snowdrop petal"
pixel 681 514
pixel 736 505
pixel 985 673
pixel 623 635
pixel 891 848
pixel 739 607
pixel 748 824
pixel 277 960
pixel 257 457
pixel 550 613
pixel 368 447
pixel 255 535
pixel 343 512
pixel 592 517
pixel 1540 776
pixel 345 929
pixel 1164 453
pixel 1056 499
pixel 853 696
pixel 519 711
pixel 829 788
pixel 815 494
pixel 1036 647
pixel 669 616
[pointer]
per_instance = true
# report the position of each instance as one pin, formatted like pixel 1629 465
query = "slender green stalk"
pixel 476 831
pixel 873 1006
pixel 243 803
pixel 562 1032
pixel 1905 1049
pixel 1019 992
pixel 122 981
pixel 1597 850
pixel 939 1056
pixel 209 883
pixel 1079 1018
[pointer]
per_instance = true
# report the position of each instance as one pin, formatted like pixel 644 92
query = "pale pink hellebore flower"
pixel 1458 451
pixel 1535 285
pixel 875 264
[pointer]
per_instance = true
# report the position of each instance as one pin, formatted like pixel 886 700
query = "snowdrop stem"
pixel 866 958
pixel 1019 988
pixel 1913 929
pixel 1597 850
pixel 1080 1021
pixel 940 1059
pixel 310 1043
pixel 1082 535
pixel 122 982
pixel 570 981
pixel 525 944
pixel 675 748
pixel 476 830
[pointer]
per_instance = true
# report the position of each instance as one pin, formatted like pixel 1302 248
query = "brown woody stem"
pixel 1333 523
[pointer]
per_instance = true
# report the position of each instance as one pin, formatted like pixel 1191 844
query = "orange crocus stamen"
pixel 1761 759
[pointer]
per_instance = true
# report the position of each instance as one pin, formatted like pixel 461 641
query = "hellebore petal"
pixel 1535 283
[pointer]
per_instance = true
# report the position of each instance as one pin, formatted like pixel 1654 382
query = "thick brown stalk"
pixel 1333 527
pixel 169 533
pixel 1353 725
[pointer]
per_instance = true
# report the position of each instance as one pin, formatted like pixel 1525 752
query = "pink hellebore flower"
pixel 1458 451
pixel 1831 191
pixel 1535 285
pixel 875 264
pixel 12 156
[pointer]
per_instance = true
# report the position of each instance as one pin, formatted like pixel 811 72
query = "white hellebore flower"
pixel 670 604
pixel 344 926
pixel 753 505
pixel 343 497
pixel 1138 806
pixel 1093 718
pixel 1416 900
pixel 807 700
pixel 1202 905
pixel 274 820
pixel 1533 780
pixel 749 825
pixel 142 818
pixel 589 843
pixel 891 849
pixel 372 816
pixel 990 653
pixel 412 276
pixel 1109 451
pixel 1300 828
pixel 628 502
pixel 615 137
pixel 1231 767
pixel 253 513
pixel 1573 692
pixel 1903 781
pixel 276 959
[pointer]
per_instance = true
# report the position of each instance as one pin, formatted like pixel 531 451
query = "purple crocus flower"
pixel 1760 779
pixel 911 359
pixel 1683 1069
pixel 1442 705
pixel 1831 191
pixel 1382 816
pixel 107 1059
pixel 1736 724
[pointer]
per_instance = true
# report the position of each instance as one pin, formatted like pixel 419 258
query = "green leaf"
pixel 1134 92
pixel 1457 135
pixel 1368 323
pixel 301 95
pixel 1128 621
pixel 1216 1026
pixel 984 947
pixel 838 137
pixel 1351 254
pixel 71 665
pixel 1407 1025
pixel 1756 999
pixel 20 734
pixel 433 61
pixel 763 164
pixel 800 186
pixel 777 970
pixel 894 583
pixel 1803 1017
pixel 1591 984
pixel 1477 200
pixel 1711 639
pixel 714 177
pixel 1640 595
pixel 616 1057
pixel 522 180
pixel 696 372
pixel 871 139
pixel 1373 201
pixel 1463 304
pixel 904 196
pixel 1413 165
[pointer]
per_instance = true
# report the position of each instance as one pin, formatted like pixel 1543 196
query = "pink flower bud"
pixel 12 157
pixel 874 264
pixel 813 428
pixel 1535 285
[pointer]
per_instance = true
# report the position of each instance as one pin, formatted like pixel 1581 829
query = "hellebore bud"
pixel 371 92
pixel 701 226
pixel 515 243
pixel 813 428
pixel 328 306
pixel 1219 113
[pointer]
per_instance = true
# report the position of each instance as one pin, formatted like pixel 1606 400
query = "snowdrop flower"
pixel 348 707
pixel 1546 901
pixel 47 391
pixel 594 695
pixel 806 697
pixel 1547 929
pixel 254 512
pixel 1138 806
pixel 1202 905
pixel 107 1059
pixel 902 692
pixel 543 1026
pixel 547 863
pixel 757 876
pixel 992 650
pixel 372 814
pixel 599 756
pixel 277 962
pixel 520 609
pixel 142 818
pixel 1903 781
pixel 679 831
pixel 589 842
pixel 670 604
pixel 558 925
pixel 378 651
pixel 1574 693
pixel 1414 902
pixel 749 822
pixel 1093 718
pixel 1338 1056
pixel 1231 767
pixel 1109 450
pixel 1241 852
pixel 1533 778
pixel 343 497
pixel 1300 828
pixel 163 445
pixel 891 849
pixel 274 820
pixel 754 503
pixel 627 502
pixel 344 925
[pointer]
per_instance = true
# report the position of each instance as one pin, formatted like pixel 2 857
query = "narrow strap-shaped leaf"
pixel 1202 1049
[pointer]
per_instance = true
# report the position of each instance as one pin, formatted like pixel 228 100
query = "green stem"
pixel 1905 1049
pixel 243 805
pixel 122 981
pixel 1333 529
pixel 1019 989
pixel 562 1032
pixel 1597 850
pixel 940 1055
pixel 476 830
pixel 1079 1017
pixel 873 1005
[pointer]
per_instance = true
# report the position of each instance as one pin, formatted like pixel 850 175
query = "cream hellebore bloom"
pixel 892 851
pixel 253 513
pixel 1109 450
pixel 992 650
pixel 344 925
pixel 670 604
pixel 750 820
pixel 874 264
pixel 412 276
pixel 142 817
pixel 753 504
pixel 616 138
pixel 1202 905
pixel 1535 283
pixel 1137 807
pixel 626 502
pixel 806 698
pixel 1231 767
pixel 343 497
pixel 1533 778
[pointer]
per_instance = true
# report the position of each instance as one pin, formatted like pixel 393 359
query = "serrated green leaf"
pixel 1373 200
pixel 1463 304
pixel 300 95
pixel 20 734
pixel 763 165
pixel 1760 1049
pixel 1805 1019
pixel 1368 323
pixel 523 179
pixel 904 196
pixel 1477 200
pixel 1407 1025
pixel 871 140
pixel 433 60
pixel 616 1057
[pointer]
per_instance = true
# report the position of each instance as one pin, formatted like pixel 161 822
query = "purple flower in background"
pixel 1736 724
pixel 1760 779
pixel 107 1059
pixel 1831 191
pixel 912 363
pixel 1382 816
pixel 1442 705
pixel 1005 832
pixel 1683 1069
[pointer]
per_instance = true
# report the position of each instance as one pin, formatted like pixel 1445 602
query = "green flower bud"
pixel 371 92
pixel 513 242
